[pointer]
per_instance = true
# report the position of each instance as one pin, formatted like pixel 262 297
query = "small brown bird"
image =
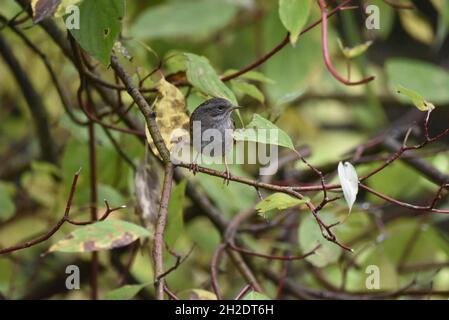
pixel 211 128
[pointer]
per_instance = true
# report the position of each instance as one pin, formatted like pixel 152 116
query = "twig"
pixel 213 270
pixel 170 293
pixel 178 262
pixel 144 108
pixel 281 45
pixel 246 289
pixel 272 257
pixel 59 224
pixel 158 243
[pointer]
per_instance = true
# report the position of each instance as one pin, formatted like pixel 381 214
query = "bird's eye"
pixel 220 108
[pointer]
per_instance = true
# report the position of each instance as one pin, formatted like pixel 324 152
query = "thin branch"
pixel 281 45
pixel 213 270
pixel 272 257
pixel 178 262
pixel 144 108
pixel 158 243
pixel 59 224
pixel 245 290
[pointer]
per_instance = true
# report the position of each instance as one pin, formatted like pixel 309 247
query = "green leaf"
pixel 294 15
pixel 387 14
pixel 40 183
pixel 181 19
pixel 416 98
pixel 103 235
pixel 443 20
pixel 262 130
pixel 309 236
pixel 428 79
pixel 201 75
pixel 279 201
pixel 175 220
pixel 104 191
pixel 251 75
pixel 126 292
pixel 200 294
pixel 304 61
pixel 248 89
pixel 65 4
pixel 257 76
pixel 7 206
pixel 221 194
pixel 254 295
pixel 100 24
pixel 356 51
pixel 417 25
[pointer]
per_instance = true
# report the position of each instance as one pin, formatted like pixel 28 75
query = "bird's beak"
pixel 236 108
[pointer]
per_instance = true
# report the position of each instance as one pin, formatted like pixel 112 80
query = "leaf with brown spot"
pixel 102 235
pixel 171 115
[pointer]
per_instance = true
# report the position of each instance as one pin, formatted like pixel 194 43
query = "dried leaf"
pixel 43 9
pixel 147 194
pixel 171 115
pixel 175 218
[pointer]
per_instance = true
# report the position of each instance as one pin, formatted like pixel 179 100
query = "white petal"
pixel 349 182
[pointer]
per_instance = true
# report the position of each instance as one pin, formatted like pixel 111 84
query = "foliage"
pixel 341 98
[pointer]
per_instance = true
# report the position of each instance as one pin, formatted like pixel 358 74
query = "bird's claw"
pixel 194 168
pixel 227 177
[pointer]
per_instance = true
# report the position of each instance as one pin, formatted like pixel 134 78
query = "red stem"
pixel 326 55
pixel 281 45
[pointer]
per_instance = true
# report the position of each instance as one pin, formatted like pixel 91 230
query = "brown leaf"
pixel 147 188
pixel 43 9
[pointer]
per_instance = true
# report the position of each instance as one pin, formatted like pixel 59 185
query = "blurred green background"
pixel 297 93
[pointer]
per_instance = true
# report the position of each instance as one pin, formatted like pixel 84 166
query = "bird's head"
pixel 214 109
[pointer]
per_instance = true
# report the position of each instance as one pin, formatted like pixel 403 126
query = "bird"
pixel 211 128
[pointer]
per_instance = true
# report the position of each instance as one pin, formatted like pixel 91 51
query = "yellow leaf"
pixel 417 26
pixel 417 99
pixel 171 117
pixel 356 51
